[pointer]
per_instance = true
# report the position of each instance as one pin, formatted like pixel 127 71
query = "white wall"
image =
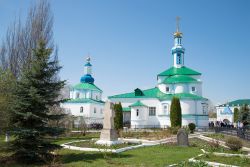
pixel 88 110
pixel 221 117
pixel 190 108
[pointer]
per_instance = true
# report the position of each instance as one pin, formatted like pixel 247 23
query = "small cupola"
pixel 87 77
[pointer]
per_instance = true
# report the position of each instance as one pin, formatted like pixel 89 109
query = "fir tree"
pixel 37 91
pixel 175 113
pixel 244 115
pixel 7 89
pixel 118 120
pixel 236 114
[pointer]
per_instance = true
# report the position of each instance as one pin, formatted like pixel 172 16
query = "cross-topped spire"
pixel 178 34
pixel 178 23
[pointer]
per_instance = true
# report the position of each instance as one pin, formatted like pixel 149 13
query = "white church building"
pixel 85 99
pixel 151 107
pixel 225 112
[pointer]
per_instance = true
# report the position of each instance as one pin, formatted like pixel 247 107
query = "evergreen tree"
pixel 175 112
pixel 236 114
pixel 7 89
pixel 118 120
pixel 244 115
pixel 37 91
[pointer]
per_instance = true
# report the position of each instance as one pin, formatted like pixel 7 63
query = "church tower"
pixel 178 50
pixel 87 78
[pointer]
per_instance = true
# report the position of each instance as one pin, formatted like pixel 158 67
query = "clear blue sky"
pixel 130 41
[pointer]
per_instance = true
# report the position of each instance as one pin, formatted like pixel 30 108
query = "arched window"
pixel 81 109
pixel 94 110
pixel 137 112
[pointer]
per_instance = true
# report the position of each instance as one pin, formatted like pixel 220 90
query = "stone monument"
pixel 182 138
pixel 109 134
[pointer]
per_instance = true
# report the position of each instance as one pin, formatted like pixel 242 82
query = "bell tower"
pixel 178 50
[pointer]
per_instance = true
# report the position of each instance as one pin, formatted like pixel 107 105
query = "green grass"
pixel 238 161
pixel 160 155
pixel 75 137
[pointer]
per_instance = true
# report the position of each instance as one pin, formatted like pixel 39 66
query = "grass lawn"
pixel 160 155
pixel 224 137
pixel 238 161
pixel 76 137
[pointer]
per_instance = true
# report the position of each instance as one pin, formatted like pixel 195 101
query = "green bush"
pixel 118 120
pixel 191 127
pixel 175 112
pixel 234 143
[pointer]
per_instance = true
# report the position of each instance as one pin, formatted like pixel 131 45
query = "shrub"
pixel 214 145
pixel 97 126
pixel 118 120
pixel 191 127
pixel 175 112
pixel 234 143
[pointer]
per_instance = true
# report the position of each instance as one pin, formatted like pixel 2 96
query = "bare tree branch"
pixel 17 48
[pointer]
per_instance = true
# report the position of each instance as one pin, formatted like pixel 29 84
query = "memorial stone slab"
pixel 182 138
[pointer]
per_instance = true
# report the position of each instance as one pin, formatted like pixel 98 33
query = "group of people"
pixel 221 124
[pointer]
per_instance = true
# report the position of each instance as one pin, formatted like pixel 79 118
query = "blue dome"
pixel 87 79
pixel 88 64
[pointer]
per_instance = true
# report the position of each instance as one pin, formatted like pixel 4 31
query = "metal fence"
pixel 149 126
pixel 243 133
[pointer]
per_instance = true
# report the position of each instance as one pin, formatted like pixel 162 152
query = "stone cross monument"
pixel 109 134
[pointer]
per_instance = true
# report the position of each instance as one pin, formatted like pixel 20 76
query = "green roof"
pixel 149 93
pixel 179 79
pixel 156 93
pixel 239 102
pixel 81 100
pixel 88 86
pixel 138 104
pixel 182 96
pixel 126 109
pixel 179 71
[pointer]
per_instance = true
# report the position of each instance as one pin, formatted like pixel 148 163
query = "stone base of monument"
pixel 109 142
pixel 109 137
